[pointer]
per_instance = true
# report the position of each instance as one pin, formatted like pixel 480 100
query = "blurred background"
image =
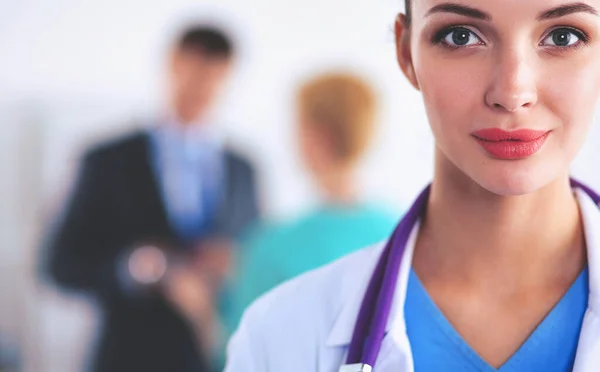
pixel 74 74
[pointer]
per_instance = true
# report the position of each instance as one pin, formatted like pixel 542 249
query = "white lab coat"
pixel 306 324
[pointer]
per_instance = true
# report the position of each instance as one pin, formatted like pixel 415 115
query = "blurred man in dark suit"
pixel 150 226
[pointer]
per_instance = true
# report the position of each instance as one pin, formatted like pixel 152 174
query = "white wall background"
pixel 83 63
pixel 73 70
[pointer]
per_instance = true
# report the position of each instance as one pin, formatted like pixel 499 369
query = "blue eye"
pixel 563 37
pixel 460 37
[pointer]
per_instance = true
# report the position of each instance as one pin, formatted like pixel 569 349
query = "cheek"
pixel 570 91
pixel 453 91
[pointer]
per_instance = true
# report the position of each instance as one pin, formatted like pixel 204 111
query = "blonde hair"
pixel 343 107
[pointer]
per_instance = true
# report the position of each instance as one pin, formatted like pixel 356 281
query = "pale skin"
pixel 502 240
pixel 195 81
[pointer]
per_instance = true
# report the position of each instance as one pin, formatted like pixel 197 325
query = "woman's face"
pixel 510 86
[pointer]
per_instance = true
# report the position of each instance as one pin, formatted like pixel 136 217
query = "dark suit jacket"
pixel 115 206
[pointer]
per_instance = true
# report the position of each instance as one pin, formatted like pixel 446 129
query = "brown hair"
pixel 408 11
pixel 209 40
pixel 343 106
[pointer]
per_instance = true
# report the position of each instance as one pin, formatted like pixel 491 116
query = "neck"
pixel 471 234
pixel 337 187
pixel 184 118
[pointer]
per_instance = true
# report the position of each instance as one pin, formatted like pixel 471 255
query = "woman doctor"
pixel 496 267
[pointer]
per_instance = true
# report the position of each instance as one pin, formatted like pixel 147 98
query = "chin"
pixel 503 177
pixel 514 178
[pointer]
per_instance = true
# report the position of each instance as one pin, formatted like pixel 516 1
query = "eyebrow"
pixel 564 10
pixel 557 12
pixel 463 10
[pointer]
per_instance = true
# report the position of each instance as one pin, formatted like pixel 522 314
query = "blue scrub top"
pixel 437 346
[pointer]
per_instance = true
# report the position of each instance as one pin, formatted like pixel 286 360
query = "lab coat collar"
pixel 355 284
pixel 588 350
pixel 591 223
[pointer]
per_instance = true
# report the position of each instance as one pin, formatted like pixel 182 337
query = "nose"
pixel 513 84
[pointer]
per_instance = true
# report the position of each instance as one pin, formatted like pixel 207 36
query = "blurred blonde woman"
pixel 335 125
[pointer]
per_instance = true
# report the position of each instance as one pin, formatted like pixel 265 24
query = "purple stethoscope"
pixel 369 329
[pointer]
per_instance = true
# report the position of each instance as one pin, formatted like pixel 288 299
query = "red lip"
pixel 512 145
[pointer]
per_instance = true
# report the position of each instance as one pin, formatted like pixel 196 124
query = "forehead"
pixel 502 9
pixel 201 59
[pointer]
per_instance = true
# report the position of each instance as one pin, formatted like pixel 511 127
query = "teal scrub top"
pixel 275 253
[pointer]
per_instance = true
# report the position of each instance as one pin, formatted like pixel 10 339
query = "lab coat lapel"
pixel 588 351
pixel 394 356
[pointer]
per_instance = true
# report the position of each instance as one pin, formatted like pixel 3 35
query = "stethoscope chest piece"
pixel 356 368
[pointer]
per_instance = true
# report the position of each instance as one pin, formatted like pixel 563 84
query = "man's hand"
pixel 147 265
pixel 191 294
pixel 214 259
pixel 193 288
